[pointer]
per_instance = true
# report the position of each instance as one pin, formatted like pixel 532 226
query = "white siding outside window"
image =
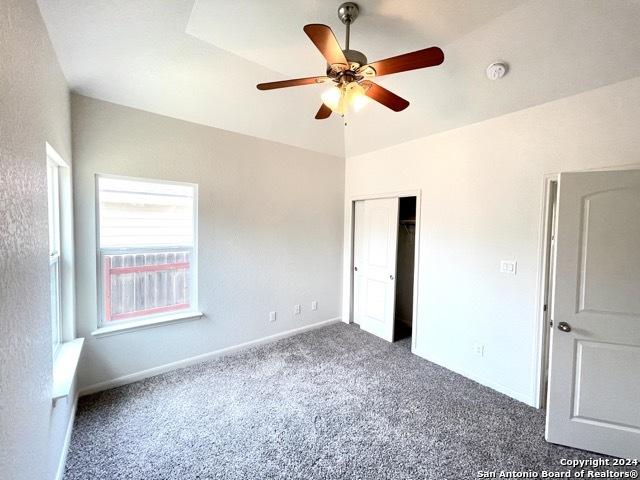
pixel 146 248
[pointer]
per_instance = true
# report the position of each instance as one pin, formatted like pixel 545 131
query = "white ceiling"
pixel 270 34
pixel 555 48
pixel 200 60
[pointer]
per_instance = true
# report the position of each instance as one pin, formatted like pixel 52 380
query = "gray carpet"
pixel 333 403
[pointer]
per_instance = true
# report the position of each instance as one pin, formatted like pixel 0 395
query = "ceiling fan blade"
pixel 384 96
pixel 324 112
pixel 291 83
pixel 429 57
pixel 323 38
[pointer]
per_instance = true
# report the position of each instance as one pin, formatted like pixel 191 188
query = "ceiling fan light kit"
pixel 350 73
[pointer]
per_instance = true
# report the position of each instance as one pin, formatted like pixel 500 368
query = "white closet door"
pixel 376 238
pixel 594 391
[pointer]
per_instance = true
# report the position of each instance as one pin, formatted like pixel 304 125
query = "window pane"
pixel 145 242
pixel 145 283
pixel 54 282
pixel 135 213
pixel 53 205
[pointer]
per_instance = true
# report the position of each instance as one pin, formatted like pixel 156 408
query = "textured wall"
pixel 34 109
pixel 270 232
pixel 481 203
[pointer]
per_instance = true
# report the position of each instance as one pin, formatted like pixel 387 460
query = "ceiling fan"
pixel 349 72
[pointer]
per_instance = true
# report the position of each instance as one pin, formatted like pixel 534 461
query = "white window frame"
pixel 55 257
pixel 117 326
pixel 66 347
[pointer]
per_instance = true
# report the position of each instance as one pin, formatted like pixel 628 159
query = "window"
pixel 66 348
pixel 53 191
pixel 146 249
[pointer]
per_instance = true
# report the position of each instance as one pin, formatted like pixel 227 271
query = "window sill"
pixel 148 323
pixel 64 367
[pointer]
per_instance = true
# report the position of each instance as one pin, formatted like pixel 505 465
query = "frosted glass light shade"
pixel 356 97
pixel 344 98
pixel 333 98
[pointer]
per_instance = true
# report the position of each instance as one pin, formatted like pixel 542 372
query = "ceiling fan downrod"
pixel 347 13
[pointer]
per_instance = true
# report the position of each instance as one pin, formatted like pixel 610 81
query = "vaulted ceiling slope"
pixel 137 53
pixel 200 60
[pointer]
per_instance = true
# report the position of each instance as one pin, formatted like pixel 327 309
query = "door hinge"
pixel 551 323
pixel 544 309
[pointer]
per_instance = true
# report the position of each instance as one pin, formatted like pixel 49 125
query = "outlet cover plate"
pixel 508 266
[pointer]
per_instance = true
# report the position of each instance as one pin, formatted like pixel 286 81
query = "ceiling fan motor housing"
pixel 355 58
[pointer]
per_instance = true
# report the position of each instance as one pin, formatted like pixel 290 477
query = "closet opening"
pixel 405 258
pixel 385 248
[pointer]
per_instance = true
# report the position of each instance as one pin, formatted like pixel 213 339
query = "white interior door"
pixel 375 245
pixel 594 378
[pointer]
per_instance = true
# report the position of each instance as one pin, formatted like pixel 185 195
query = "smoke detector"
pixel 496 71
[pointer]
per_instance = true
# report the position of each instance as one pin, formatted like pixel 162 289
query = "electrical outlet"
pixel 297 309
pixel 272 316
pixel 508 266
pixel 478 349
pixel 314 305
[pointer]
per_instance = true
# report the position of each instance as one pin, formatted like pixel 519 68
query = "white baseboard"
pixel 67 441
pixel 151 372
pixel 522 397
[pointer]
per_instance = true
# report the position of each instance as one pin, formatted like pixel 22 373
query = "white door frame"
pixel 541 339
pixel 347 305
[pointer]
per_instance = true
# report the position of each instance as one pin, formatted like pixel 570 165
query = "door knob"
pixel 390 277
pixel 355 268
pixel 564 326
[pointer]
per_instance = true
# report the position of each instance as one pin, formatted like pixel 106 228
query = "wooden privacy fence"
pixel 145 283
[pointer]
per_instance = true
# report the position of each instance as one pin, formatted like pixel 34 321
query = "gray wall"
pixel 270 232
pixel 34 109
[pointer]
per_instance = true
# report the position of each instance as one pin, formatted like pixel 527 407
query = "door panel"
pixel 375 237
pixel 610 255
pixel 594 367
pixel 376 300
pixel 606 398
